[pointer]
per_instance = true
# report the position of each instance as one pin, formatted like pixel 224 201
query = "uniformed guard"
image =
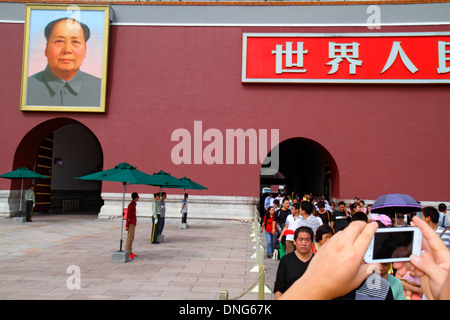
pixel 30 201
pixel 156 207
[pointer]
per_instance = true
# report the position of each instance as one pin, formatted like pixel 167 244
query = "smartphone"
pixel 394 245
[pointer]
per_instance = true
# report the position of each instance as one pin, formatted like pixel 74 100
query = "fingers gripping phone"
pixel 394 245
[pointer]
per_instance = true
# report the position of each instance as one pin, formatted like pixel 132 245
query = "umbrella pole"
pixel 123 207
pixel 21 199
pixel 395 213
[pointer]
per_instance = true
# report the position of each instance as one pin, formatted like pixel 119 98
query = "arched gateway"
pixel 305 166
pixel 61 148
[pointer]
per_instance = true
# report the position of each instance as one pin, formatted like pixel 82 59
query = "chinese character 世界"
pixel 443 58
pixel 395 51
pixel 340 51
pixel 289 53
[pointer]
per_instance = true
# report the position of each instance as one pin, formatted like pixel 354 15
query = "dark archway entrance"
pixel 305 166
pixel 62 149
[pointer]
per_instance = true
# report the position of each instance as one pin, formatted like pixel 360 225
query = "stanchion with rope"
pixel 259 285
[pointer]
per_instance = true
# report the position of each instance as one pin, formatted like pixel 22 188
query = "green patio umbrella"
pixel 123 172
pixel 189 184
pixel 163 179
pixel 193 185
pixel 22 173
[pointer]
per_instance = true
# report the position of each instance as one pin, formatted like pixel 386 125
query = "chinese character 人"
pixel 395 51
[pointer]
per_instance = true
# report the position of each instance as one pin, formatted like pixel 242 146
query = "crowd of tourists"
pixel 297 229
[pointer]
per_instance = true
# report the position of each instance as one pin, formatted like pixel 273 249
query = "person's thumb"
pixel 433 275
pixel 426 265
pixel 421 263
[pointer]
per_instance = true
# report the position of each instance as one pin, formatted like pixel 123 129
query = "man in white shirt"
pixel 279 198
pixel 184 210
pixel 292 223
pixel 30 202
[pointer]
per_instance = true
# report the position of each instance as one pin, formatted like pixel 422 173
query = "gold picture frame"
pixel 60 73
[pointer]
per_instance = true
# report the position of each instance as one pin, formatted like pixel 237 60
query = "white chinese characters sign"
pixel 346 58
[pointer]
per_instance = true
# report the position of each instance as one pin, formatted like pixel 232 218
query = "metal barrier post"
pixel 259 286
pixel 223 295
pixel 261 283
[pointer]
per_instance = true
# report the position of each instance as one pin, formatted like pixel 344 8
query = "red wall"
pixel 383 138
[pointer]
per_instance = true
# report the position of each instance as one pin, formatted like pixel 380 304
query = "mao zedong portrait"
pixel 62 83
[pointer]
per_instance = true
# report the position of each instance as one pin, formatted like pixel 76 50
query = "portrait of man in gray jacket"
pixel 62 83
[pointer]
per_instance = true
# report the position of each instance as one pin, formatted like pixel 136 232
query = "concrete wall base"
pixel 199 207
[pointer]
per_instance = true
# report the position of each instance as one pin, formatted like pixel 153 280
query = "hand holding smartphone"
pixel 394 245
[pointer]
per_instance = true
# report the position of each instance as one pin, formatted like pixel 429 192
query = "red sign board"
pixel 346 58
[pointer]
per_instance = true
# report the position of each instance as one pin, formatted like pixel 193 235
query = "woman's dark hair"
pixel 360 216
pixel 323 229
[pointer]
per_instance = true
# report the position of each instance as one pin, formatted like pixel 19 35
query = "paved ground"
pixel 39 260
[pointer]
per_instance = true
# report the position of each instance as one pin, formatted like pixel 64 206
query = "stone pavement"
pixel 40 260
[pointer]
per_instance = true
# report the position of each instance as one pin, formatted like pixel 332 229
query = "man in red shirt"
pixel 131 224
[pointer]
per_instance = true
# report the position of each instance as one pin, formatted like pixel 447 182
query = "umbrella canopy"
pixel 123 172
pixel 23 173
pixel 191 184
pixel 389 204
pixel 163 180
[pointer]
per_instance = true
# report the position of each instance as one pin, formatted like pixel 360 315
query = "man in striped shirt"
pixel 307 218
pixel 431 216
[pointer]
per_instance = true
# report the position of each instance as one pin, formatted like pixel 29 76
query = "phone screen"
pixel 389 245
